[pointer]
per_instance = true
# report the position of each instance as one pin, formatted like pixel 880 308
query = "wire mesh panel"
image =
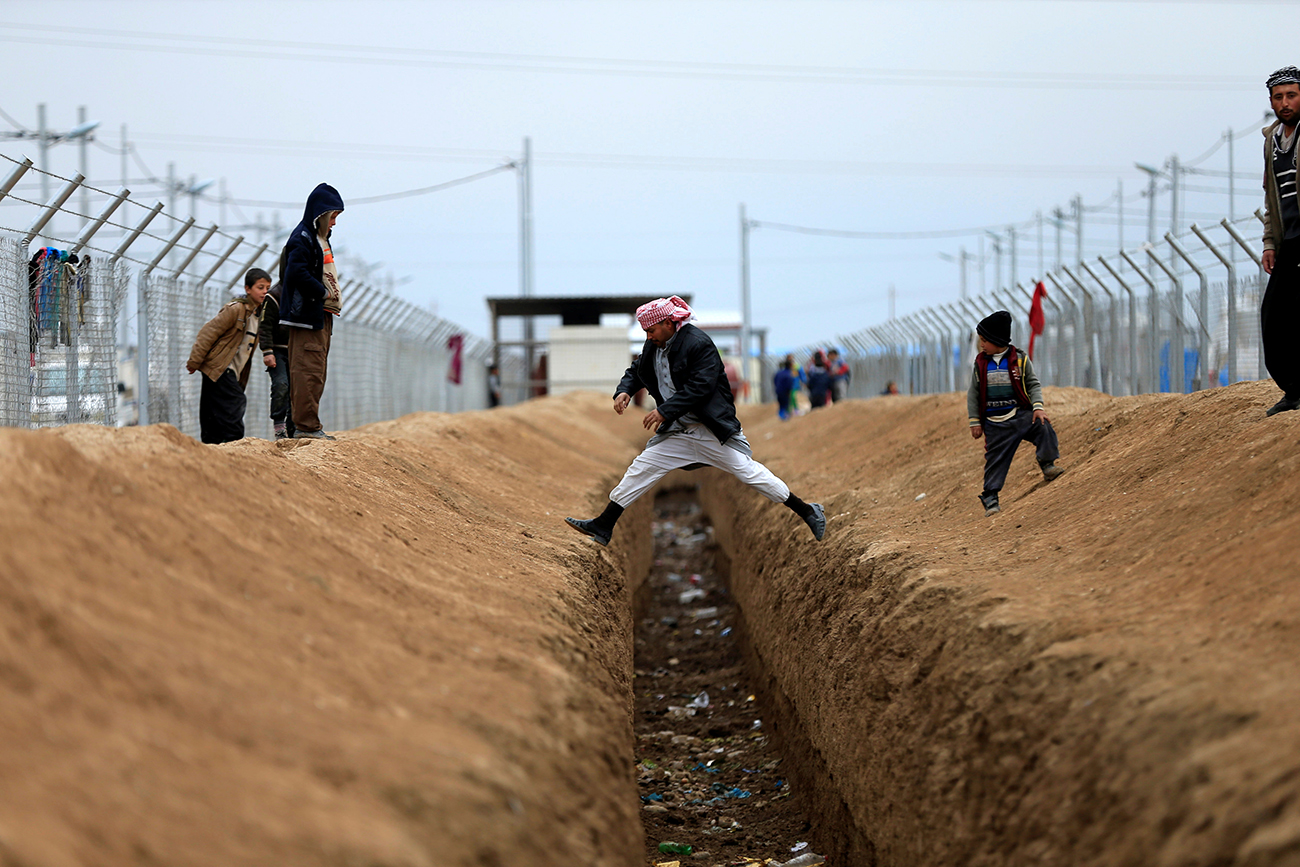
pixel 15 352
pixel 176 311
pixel 71 340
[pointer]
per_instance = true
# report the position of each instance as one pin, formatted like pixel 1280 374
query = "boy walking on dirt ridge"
pixel 223 350
pixel 1005 406
pixel 694 420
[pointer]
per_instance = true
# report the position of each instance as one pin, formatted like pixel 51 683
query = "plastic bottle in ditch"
pixel 807 859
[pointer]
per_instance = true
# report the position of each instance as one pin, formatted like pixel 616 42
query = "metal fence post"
pixel 1203 309
pixel 1133 380
pixel 1177 365
pixel 1232 300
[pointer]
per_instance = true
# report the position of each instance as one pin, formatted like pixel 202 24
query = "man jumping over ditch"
pixel 694 421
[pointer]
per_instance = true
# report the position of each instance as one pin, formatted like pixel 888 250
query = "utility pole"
pixel 1078 225
pixel 1011 231
pixel 1232 196
pixel 43 137
pixel 965 257
pixel 1058 220
pixel 744 294
pixel 526 253
pixel 85 172
pixel 1119 210
pixel 997 259
pixel 1038 216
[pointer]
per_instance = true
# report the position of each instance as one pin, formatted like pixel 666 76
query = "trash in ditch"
pixel 694 539
pixel 919 498
pixel 726 632
pixel 725 791
pixel 705 613
pixel 697 579
pixel 700 766
pixel 758 724
pixel 800 846
pixel 668 847
pixel 805 860
pixel 655 796
pixel 688 596
pixel 678 712
pixel 701 701
pixel 669 621
pixel 674 577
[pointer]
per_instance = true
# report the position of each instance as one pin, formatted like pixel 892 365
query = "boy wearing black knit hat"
pixel 1005 406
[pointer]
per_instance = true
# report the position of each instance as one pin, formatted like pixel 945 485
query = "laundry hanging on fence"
pixel 51 275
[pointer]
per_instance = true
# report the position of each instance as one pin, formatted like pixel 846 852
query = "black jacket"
pixel 272 335
pixel 302 264
pixel 699 377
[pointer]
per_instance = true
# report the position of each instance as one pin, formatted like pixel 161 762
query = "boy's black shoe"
pixel 1286 404
pixel 1051 470
pixel 990 503
pixel 816 521
pixel 590 528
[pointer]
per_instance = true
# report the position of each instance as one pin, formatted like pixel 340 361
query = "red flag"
pixel 455 344
pixel 1036 319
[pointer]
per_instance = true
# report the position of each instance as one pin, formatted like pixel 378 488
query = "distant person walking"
pixel 839 370
pixel 494 386
pixel 694 420
pixel 223 351
pixel 1005 405
pixel 274 339
pixel 783 384
pixel 819 380
pixel 309 301
pixel 1279 312
pixel 891 387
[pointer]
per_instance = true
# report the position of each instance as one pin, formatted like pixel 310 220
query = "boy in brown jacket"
pixel 224 352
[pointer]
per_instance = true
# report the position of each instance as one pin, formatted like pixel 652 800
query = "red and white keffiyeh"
pixel 673 308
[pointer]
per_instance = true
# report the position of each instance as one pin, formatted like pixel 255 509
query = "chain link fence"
pixel 64 305
pixel 1177 316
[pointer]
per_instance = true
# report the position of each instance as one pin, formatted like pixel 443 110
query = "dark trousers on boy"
pixel 308 356
pixel 221 409
pixel 280 390
pixel 1001 439
pixel 1280 319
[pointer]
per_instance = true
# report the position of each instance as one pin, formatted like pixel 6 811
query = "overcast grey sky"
pixel 652 121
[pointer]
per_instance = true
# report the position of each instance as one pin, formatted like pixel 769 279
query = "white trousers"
pixel 695 445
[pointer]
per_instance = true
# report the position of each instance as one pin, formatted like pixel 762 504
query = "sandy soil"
pixel 380 651
pixel 389 650
pixel 1106 673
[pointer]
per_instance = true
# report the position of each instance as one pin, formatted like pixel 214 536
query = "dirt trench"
pixel 1106 673
pixel 389 650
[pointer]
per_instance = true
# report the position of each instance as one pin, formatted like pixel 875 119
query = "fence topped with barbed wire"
pixel 1177 315
pixel 72 331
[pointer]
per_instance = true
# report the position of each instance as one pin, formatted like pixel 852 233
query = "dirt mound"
pixel 1105 673
pixel 388 650
pixel 382 650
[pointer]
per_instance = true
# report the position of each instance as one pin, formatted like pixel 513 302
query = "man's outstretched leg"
pixel 601 527
pixel 743 466
pixel 649 467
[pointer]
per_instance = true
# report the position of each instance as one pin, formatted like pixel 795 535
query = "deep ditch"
pixel 709 771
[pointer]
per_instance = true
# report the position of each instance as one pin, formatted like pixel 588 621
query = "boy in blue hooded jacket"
pixel 309 301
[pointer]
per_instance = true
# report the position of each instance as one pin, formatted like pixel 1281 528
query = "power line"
pixel 387 197
pixel 575 65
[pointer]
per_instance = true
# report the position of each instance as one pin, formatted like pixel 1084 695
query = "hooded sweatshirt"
pixel 302 265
